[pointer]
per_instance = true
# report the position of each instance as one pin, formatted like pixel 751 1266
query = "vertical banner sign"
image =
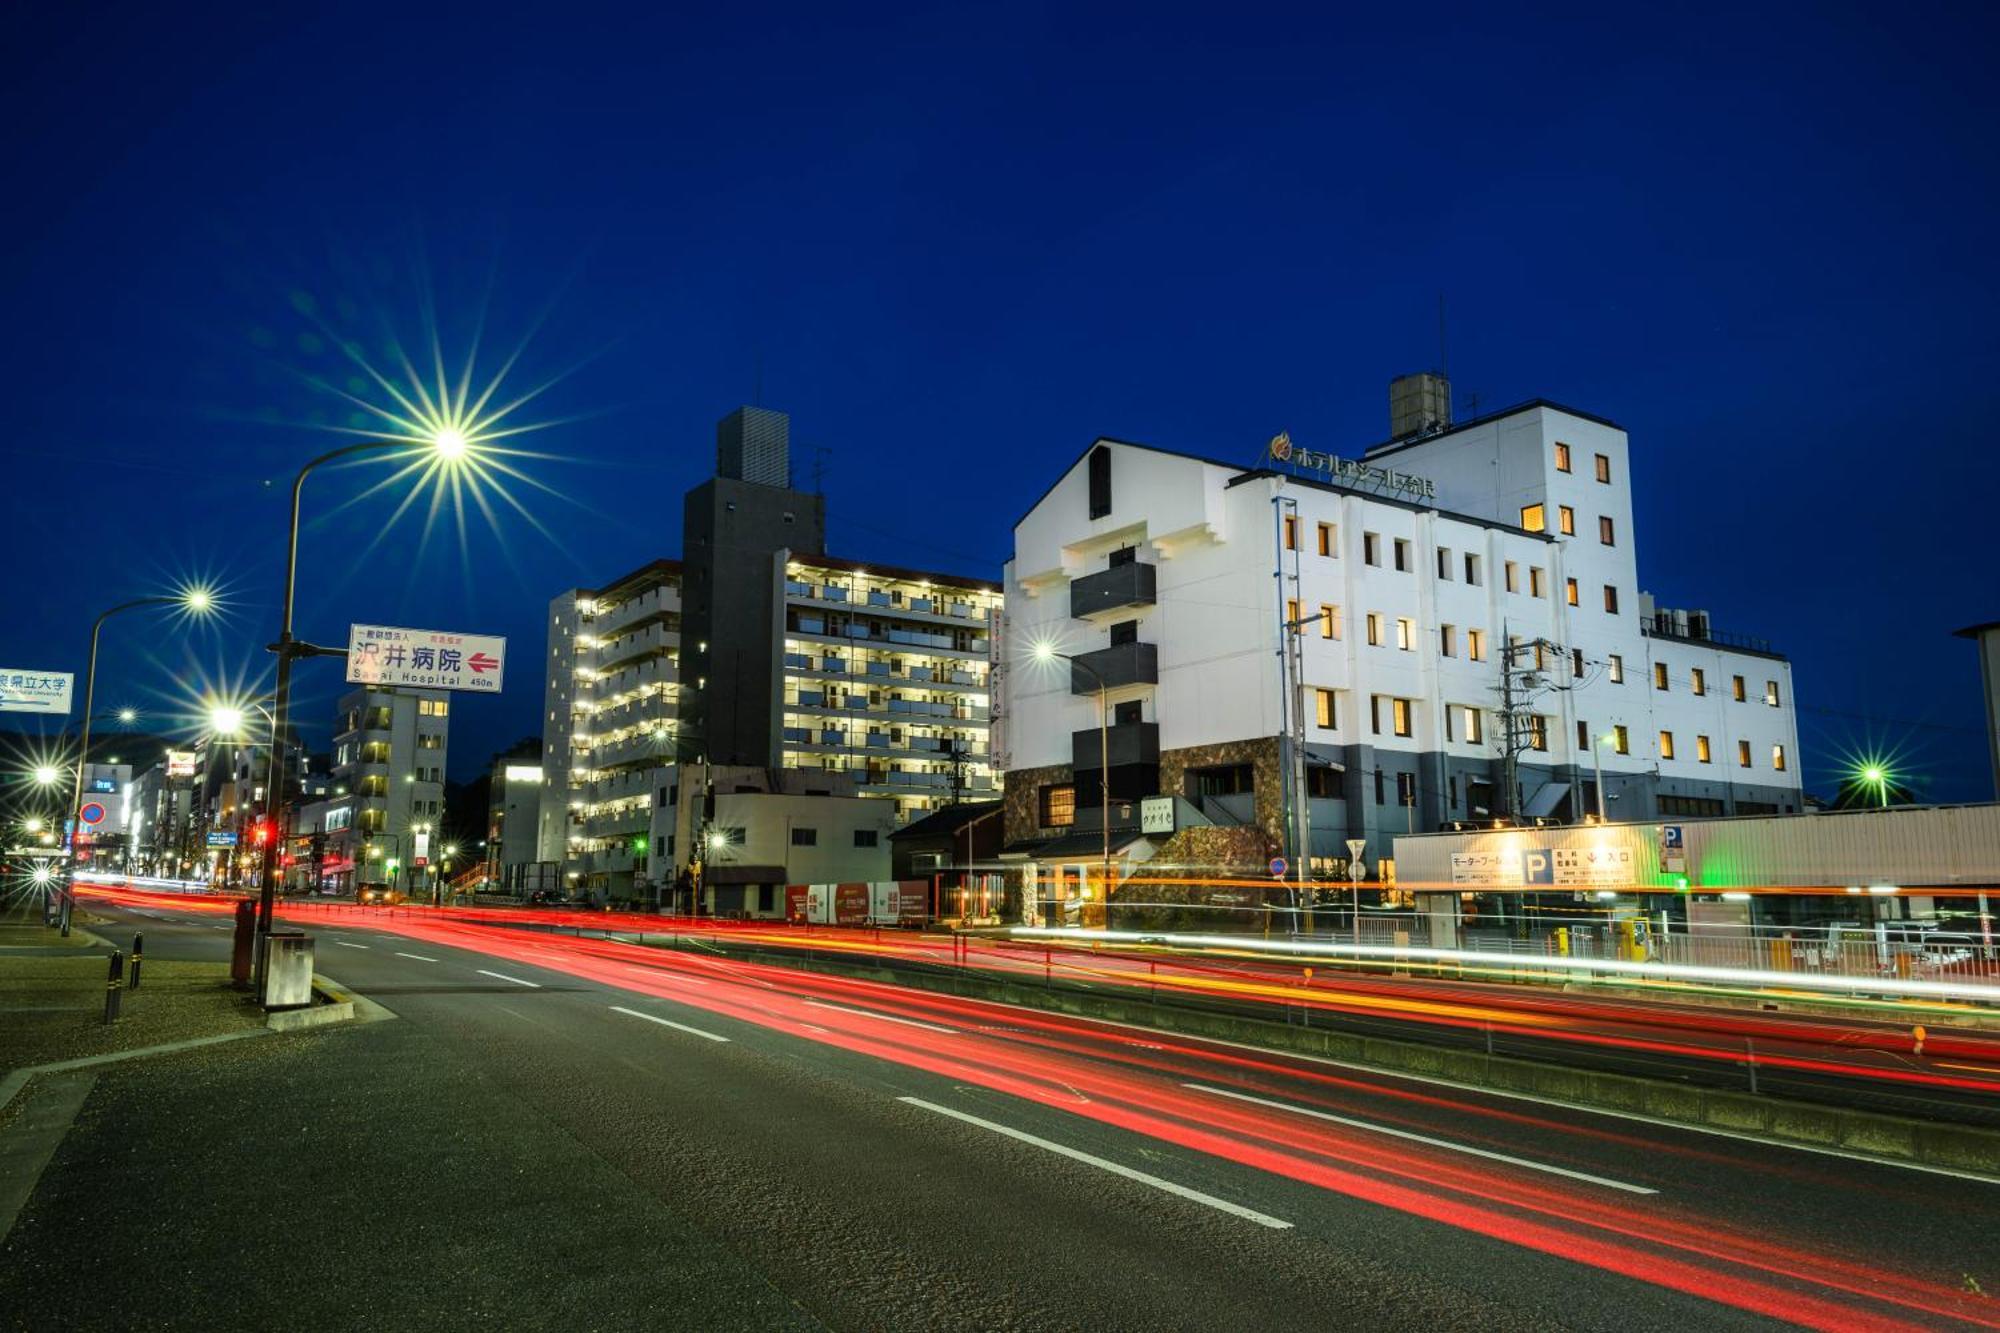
pixel 425 659
pixel 420 849
pixel 35 691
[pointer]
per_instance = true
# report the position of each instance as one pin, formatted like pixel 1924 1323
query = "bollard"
pixel 138 948
pixel 111 986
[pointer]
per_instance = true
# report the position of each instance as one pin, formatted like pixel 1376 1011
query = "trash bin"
pixel 288 970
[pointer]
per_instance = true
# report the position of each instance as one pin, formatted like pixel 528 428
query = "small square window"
pixel 1534 518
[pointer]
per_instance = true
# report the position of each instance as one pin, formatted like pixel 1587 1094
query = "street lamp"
pixel 1876 776
pixel 1046 652
pixel 1597 744
pixel 194 600
pixel 446 440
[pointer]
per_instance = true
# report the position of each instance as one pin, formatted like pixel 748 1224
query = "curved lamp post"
pixel 197 601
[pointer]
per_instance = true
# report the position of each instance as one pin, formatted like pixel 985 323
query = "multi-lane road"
pixel 884 1157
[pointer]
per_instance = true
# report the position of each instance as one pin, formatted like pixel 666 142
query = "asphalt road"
pixel 627 1137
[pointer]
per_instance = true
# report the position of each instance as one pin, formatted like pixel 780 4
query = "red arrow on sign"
pixel 480 662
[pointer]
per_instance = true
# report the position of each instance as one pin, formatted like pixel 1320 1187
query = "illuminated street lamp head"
pixel 1874 775
pixel 1044 651
pixel 225 720
pixel 34 826
pixel 47 774
pixel 198 600
pixel 128 715
pixel 450 442
pixel 716 842
pixel 44 873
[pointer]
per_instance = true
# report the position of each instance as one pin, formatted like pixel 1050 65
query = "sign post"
pixel 1355 870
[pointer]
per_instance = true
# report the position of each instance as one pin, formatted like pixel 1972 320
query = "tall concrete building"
pixel 388 779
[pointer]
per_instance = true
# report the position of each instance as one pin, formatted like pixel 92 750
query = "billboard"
pixel 180 763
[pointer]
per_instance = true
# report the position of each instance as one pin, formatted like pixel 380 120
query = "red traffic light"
pixel 262 832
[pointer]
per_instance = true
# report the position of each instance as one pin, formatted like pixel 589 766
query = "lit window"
pixel 1698 680
pixel 1329 621
pixel 1605 531
pixel 1666 745
pixel 1326 539
pixel 1778 758
pixel 1701 748
pixel 1736 688
pixel 1292 611
pixel 1771 693
pixel 1475 644
pixel 1566 520
pixel 1291 532
pixel 1374 629
pixel 1400 715
pixel 1616 669
pixel 1058 806
pixel 1659 675
pixel 1611 599
pixel 1406 633
pixel 1743 754
pixel 1562 457
pixel 1604 469
pixel 1569 591
pixel 1533 518
pixel 1621 740
pixel 1324 699
pixel 1474 724
pixel 1538 732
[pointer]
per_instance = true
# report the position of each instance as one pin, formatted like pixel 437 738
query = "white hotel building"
pixel 1412 580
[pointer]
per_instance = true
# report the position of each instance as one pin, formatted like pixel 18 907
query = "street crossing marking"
pixel 667 1023
pixel 886 1018
pixel 419 957
pixel 1422 1138
pixel 504 977
pixel 1115 1168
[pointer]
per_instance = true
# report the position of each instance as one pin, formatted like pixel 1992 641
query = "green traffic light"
pixel 638 844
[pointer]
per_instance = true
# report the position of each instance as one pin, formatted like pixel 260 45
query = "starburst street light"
pixel 46 775
pixel 225 720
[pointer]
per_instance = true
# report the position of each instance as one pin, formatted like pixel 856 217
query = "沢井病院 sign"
pixel 425 659
pixel 35 691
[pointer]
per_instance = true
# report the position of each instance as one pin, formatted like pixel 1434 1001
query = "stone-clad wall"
pixel 1262 753
pixel 1021 796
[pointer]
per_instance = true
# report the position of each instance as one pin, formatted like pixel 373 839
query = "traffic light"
pixel 262 832
pixel 639 844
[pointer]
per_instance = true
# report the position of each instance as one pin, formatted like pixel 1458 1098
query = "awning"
pixel 1544 802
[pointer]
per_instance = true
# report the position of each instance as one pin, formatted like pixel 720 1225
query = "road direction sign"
pixel 222 838
pixel 35 691
pixel 425 659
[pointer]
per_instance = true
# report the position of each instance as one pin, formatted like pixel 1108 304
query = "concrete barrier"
pixel 1858 1132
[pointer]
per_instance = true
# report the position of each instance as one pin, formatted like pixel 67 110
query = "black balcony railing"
pixel 1120 664
pixel 1113 589
pixel 1129 743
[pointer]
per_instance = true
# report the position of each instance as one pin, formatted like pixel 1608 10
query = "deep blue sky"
pixel 958 244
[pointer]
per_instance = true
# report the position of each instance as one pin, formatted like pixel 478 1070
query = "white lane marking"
pixel 660 974
pixel 504 977
pixel 886 1018
pixel 419 957
pixel 667 1023
pixel 814 1027
pixel 1115 1168
pixel 1605 1181
pixel 345 945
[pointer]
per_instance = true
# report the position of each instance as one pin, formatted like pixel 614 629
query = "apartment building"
pixel 389 749
pixel 1304 648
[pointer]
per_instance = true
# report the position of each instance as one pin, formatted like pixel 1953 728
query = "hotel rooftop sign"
pixel 1348 472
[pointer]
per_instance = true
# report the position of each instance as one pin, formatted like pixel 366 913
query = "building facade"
pixel 513 815
pixel 1307 649
pixel 389 748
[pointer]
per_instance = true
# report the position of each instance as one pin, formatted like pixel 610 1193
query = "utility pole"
pixel 1291 695
pixel 1519 686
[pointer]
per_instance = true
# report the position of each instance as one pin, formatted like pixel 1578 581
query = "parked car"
pixel 378 895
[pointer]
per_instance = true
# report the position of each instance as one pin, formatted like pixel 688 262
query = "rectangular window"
pixel 1474 728
pixel 1659 675
pixel 1292 613
pixel 1701 748
pixel 1100 481
pixel 1371 548
pixel 1374 629
pixel 1329 621
pixel 1583 736
pixel 1616 669
pixel 1778 758
pixel 1576 663
pixel 1511 577
pixel 1771 693
pixel 1472 569
pixel 1324 700
pixel 1400 714
pixel 1535 588
pixel 1326 539
pixel 1569 591
pixel 1291 532
pixel 1666 745
pixel 1534 518
pixel 1566 520
pixel 1402 554
pixel 1698 680
pixel 1378 786
pixel 1475 644
pixel 1562 456
pixel 1538 732
pixel 1743 754
pixel 1375 714
pixel 1604 469
pixel 1621 740
pixel 864 837
pixel 1605 533
pixel 1611 598
pixel 1125 631
pixel 1736 688
pixel 805 837
pixel 1406 789
pixel 1448 640
pixel 1444 565
pixel 1406 633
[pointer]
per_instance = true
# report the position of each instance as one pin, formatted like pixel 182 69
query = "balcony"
pixel 1129 743
pixel 1119 665
pixel 658 601
pixel 650 640
pixel 1113 589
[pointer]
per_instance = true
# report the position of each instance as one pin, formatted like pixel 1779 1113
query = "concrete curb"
pixel 18 1079
pixel 332 1003
pixel 1865 1134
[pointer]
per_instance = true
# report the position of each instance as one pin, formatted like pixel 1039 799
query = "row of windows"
pixel 1535 518
pixel 1620 741
pixel 1698 684
pixel 1563 463
pixel 809 837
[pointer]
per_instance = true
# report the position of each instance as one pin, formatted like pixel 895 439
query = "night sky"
pixel 956 246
